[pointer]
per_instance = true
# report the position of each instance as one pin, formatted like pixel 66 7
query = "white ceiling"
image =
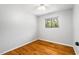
pixel 51 8
pixel 32 8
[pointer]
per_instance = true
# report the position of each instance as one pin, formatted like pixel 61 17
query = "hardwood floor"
pixel 40 47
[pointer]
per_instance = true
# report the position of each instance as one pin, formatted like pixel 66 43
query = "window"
pixel 51 22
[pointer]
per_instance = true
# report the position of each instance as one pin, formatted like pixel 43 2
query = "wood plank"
pixel 40 47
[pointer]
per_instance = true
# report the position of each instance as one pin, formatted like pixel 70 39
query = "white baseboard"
pixel 56 42
pixel 32 41
pixel 75 51
pixel 60 43
pixel 18 46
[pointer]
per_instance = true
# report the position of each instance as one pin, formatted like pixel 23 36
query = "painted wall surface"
pixel 63 34
pixel 17 26
pixel 76 27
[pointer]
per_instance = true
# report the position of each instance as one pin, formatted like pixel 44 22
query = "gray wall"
pixel 63 34
pixel 17 26
pixel 76 27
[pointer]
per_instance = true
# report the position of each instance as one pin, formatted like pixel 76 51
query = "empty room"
pixel 39 29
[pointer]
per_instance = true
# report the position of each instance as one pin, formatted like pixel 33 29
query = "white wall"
pixel 63 34
pixel 76 27
pixel 17 26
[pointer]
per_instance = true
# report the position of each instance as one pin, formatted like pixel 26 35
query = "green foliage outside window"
pixel 51 22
